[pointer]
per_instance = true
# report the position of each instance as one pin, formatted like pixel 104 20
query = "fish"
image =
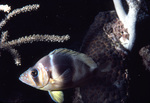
pixel 61 69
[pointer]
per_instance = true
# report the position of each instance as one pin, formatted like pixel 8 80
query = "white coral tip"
pixel 5 8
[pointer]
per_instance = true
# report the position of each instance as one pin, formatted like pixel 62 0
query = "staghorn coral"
pixel 9 45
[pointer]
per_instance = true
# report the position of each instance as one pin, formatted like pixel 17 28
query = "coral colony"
pixel 9 45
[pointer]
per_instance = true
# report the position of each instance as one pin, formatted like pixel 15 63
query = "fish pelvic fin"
pixel 57 96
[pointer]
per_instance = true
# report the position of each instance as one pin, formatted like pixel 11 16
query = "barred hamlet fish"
pixel 60 69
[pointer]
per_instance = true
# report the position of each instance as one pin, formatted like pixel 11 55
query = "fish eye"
pixel 34 72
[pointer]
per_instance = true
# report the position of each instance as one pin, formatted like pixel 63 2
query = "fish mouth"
pixel 22 78
pixel 26 78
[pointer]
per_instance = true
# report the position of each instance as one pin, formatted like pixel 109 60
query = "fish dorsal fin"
pixel 80 56
pixel 57 96
pixel 60 50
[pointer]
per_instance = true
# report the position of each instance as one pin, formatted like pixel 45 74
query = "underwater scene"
pixel 82 51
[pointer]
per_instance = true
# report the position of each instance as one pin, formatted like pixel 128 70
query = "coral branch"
pixel 5 8
pixel 129 19
pixel 32 38
pixel 16 56
pixel 27 8
pixel 120 10
pixel 4 36
pixel 28 39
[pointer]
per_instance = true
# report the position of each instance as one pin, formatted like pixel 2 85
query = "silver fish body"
pixel 60 69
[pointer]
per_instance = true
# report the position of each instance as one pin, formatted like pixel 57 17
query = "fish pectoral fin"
pixel 65 77
pixel 52 81
pixel 57 96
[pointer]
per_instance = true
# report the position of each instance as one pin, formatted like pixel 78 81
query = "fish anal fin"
pixel 57 96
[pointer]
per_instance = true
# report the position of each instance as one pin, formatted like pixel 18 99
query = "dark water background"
pixel 57 17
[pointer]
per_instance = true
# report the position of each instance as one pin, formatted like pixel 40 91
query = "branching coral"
pixel 129 19
pixel 9 45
